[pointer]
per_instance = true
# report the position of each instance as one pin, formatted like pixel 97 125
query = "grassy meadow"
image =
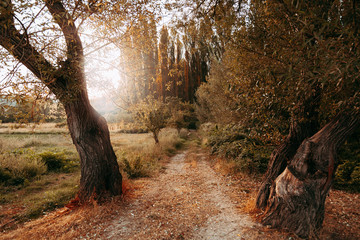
pixel 40 168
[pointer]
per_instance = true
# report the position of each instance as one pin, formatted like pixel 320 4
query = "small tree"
pixel 152 114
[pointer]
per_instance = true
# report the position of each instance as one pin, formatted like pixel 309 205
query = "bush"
pixel 58 161
pixel 182 114
pixel 355 177
pixel 234 143
pixel 5 175
pixel 53 161
pixel 33 168
pixel 136 166
pixel 347 176
pixel 343 174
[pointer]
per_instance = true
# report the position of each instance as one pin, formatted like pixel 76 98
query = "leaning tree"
pixel 100 174
pixel 294 62
pixel 324 35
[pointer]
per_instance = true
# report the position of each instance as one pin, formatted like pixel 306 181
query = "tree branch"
pixel 67 25
pixel 18 45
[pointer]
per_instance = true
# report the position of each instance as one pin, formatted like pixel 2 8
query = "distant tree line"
pixel 165 64
pixel 30 110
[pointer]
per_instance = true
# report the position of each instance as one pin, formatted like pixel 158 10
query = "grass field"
pixel 40 168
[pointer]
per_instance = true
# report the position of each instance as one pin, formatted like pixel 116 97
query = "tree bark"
pixel 279 159
pixel 297 201
pixel 156 136
pixel 100 174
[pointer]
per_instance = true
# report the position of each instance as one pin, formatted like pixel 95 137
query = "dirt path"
pixel 188 201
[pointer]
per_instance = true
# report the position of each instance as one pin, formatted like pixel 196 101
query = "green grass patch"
pixel 39 201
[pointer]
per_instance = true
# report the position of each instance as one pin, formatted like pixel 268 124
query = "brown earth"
pixel 190 199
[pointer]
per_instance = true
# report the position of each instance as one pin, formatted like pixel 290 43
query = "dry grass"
pixel 20 148
pixel 74 223
pixel 15 128
pixel 90 222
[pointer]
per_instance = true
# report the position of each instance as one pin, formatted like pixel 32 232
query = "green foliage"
pixel 58 161
pixel 344 171
pixel 134 167
pixel 53 161
pixel 182 114
pixel 49 201
pixel 347 175
pixel 277 56
pixel 5 175
pixel 355 177
pixel 137 165
pixel 22 165
pixel 234 143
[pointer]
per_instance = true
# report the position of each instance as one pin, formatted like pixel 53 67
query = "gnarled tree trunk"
pixel 280 157
pixel 297 201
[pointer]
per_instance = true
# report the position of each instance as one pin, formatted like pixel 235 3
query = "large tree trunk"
pixel 280 157
pixel 297 201
pixel 100 174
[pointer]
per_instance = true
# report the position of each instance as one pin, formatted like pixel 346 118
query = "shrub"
pixel 135 167
pixel 58 161
pixel 355 176
pixel 347 176
pixel 33 168
pixel 234 143
pixel 138 163
pixel 343 174
pixel 53 161
pixel 182 114
pixel 5 175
